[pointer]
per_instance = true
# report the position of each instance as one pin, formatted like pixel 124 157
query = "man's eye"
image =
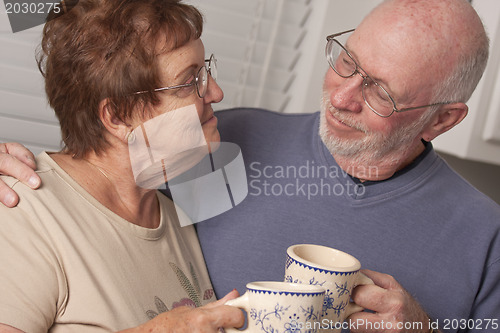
pixel 347 62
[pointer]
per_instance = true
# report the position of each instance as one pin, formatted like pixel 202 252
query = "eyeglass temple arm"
pixel 420 107
pixel 338 34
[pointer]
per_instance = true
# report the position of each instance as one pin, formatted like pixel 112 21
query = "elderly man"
pixel 362 176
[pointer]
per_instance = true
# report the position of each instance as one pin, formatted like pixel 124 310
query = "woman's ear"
pixel 447 117
pixel 116 127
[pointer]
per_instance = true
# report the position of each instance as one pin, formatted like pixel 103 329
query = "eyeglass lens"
pixel 202 77
pixel 212 67
pixel 375 96
pixel 202 82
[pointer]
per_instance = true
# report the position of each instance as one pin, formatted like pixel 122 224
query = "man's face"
pixel 348 126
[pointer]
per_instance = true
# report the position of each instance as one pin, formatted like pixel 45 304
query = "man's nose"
pixel 348 95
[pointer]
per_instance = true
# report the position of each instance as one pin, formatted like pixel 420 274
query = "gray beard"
pixel 374 148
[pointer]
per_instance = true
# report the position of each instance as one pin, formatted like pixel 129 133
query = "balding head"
pixel 443 39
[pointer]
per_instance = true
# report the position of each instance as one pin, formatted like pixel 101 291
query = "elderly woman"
pixel 91 251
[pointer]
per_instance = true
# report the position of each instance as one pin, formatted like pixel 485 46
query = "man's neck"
pixel 381 168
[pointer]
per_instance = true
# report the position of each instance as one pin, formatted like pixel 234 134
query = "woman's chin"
pixel 212 136
pixel 213 142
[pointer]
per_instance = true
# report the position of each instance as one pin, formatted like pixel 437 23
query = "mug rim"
pixel 286 288
pixel 350 269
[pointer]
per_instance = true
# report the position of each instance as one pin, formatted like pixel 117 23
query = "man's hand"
pixel 395 309
pixel 16 161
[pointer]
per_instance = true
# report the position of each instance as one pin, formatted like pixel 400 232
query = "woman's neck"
pixel 109 179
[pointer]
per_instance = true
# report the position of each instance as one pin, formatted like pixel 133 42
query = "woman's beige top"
pixel 69 264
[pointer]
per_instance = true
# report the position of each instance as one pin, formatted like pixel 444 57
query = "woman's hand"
pixel 16 161
pixel 206 319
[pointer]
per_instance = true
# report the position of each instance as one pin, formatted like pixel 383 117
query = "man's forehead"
pixel 401 67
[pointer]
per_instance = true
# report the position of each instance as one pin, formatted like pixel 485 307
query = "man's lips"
pixel 340 124
pixel 333 120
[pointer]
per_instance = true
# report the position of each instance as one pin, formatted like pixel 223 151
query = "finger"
pixel 378 299
pixel 20 152
pixel 231 295
pixel 367 296
pixel 228 316
pixel 7 196
pixel 10 165
pixel 382 280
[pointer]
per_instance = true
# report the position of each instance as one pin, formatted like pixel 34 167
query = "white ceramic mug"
pixel 334 270
pixel 280 307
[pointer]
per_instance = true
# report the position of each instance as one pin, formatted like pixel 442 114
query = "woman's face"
pixel 175 136
pixel 179 67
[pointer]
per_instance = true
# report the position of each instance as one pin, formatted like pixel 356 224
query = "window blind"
pixel 259 44
pixel 25 116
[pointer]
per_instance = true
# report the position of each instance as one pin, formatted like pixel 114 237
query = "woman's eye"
pixel 186 90
pixel 190 80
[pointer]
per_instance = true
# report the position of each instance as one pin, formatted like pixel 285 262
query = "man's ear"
pixel 113 124
pixel 445 119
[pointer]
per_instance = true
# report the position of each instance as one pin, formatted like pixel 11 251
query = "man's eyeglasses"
pixel 375 96
pixel 200 81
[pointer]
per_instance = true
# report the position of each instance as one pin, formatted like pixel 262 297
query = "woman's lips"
pixel 210 119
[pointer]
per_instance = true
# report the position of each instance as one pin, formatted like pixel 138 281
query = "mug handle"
pixel 241 302
pixel 352 307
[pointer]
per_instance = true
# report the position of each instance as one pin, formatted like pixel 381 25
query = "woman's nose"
pixel 214 92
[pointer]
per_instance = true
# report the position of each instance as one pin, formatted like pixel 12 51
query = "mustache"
pixel 346 118
pixel 343 116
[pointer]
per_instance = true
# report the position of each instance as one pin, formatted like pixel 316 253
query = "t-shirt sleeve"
pixel 30 278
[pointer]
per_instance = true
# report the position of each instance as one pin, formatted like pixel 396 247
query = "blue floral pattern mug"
pixel 334 270
pixel 280 307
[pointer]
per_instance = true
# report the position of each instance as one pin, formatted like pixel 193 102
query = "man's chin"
pixel 339 146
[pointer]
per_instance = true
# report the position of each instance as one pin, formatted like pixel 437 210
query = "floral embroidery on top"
pixel 192 289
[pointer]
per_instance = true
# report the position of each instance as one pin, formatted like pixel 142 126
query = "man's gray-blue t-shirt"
pixel 426 226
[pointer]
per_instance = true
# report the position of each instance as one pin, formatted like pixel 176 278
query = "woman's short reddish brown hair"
pixel 98 49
